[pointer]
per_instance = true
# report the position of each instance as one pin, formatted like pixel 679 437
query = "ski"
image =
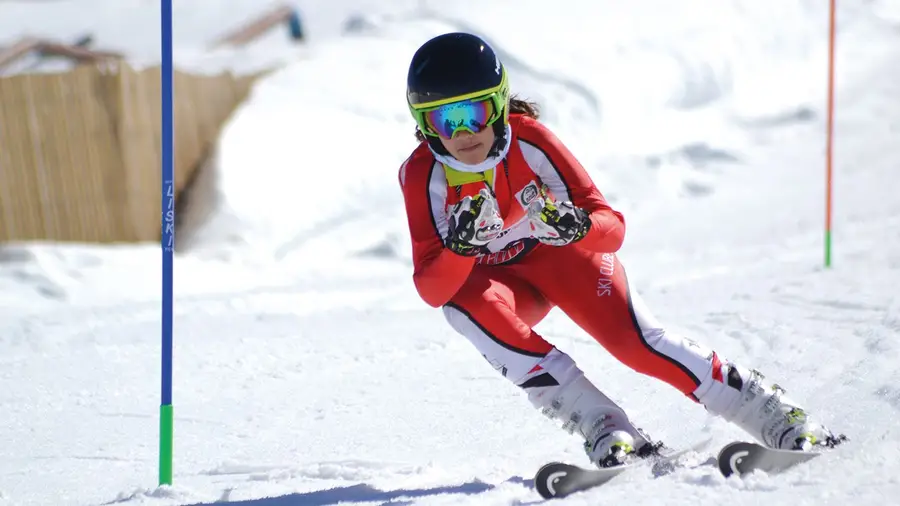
pixel 558 479
pixel 740 458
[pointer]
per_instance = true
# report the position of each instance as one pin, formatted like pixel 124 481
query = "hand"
pixel 474 222
pixel 557 223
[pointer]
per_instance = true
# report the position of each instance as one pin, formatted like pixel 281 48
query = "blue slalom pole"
pixel 166 414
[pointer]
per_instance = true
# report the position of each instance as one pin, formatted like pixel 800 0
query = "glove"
pixel 557 223
pixel 474 222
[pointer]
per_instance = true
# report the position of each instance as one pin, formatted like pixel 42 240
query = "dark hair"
pixel 516 106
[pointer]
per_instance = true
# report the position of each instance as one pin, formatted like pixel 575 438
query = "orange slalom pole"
pixel 829 158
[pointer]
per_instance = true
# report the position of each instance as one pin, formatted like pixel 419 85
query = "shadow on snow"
pixel 365 493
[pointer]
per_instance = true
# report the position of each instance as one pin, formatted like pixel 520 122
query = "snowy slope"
pixel 314 383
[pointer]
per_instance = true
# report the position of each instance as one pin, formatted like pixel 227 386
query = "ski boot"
pixel 740 396
pixel 561 391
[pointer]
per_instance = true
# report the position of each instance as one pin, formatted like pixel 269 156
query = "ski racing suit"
pixel 495 298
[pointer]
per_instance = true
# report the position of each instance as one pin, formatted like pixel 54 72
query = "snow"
pixel 308 372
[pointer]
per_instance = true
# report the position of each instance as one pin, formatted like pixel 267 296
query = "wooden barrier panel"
pixel 80 151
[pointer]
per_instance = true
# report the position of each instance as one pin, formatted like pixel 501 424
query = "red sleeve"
pixel 438 273
pixel 567 179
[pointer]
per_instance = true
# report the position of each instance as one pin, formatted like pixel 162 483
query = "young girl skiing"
pixel 506 224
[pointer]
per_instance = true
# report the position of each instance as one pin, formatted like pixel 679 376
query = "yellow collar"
pixel 459 178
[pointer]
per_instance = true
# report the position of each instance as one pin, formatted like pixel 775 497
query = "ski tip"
pixel 740 458
pixel 731 458
pixel 551 479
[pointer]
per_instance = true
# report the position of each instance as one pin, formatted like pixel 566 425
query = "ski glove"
pixel 474 222
pixel 557 223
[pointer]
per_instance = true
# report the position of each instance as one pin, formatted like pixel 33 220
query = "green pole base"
pixel 166 425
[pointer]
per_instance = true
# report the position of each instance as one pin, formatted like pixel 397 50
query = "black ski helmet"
pixel 457 65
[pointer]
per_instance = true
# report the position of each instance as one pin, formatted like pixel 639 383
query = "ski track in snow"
pixel 317 383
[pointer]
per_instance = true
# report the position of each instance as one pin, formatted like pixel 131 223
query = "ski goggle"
pixel 471 115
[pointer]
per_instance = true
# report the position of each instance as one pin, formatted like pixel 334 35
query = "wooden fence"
pixel 80 156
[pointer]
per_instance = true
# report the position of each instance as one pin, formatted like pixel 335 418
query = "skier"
pixel 506 224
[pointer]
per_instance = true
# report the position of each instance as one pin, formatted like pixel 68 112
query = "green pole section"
pixel 828 248
pixel 166 425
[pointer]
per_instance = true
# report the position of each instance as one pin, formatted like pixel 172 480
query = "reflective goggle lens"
pixel 467 114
